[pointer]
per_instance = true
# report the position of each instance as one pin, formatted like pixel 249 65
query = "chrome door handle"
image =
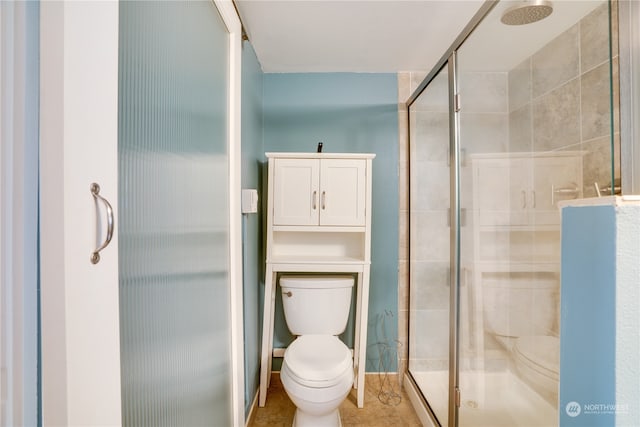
pixel 95 192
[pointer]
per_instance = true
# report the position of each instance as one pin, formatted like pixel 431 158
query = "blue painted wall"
pixel 348 113
pixel 588 317
pixel 253 258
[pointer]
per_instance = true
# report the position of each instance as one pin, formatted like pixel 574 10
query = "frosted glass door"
pixel 174 214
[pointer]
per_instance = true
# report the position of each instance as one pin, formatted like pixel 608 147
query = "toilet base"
pixel 332 419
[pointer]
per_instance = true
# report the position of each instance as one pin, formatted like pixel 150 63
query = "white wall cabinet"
pixel 516 220
pixel 523 190
pixel 318 221
pixel 319 192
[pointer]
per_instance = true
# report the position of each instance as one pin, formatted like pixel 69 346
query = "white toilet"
pixel 317 371
pixel 521 312
pixel 537 360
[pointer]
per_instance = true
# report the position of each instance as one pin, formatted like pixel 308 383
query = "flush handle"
pixel 288 293
pixel 563 192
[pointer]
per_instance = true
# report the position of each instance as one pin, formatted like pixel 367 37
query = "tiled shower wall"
pixel 558 99
pixel 407 83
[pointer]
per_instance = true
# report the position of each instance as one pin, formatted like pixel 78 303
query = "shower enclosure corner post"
pixel 629 27
pixel 454 232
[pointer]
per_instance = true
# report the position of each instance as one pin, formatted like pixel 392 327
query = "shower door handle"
pixel 95 192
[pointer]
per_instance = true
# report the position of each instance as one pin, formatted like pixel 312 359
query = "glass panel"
pixel 173 222
pixel 535 129
pixel 429 244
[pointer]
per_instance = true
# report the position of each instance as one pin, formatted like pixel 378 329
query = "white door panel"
pixel 502 191
pixel 296 192
pixel 342 192
pixel 79 134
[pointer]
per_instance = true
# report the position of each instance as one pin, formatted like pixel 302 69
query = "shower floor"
pixel 492 399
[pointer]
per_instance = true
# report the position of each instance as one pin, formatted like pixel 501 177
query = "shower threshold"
pixel 494 399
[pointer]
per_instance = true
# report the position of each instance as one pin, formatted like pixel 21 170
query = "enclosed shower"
pixel 519 115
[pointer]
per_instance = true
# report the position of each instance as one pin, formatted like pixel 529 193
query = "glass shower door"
pixel 429 306
pixel 537 124
pixel 535 130
pixel 173 160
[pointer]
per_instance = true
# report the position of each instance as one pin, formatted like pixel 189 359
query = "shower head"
pixel 527 12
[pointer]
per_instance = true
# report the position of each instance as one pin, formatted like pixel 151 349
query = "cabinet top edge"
pixel 527 154
pixel 600 201
pixel 320 155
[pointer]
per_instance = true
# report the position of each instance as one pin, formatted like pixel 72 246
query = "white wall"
pixel 628 313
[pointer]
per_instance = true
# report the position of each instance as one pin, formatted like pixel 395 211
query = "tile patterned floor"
pixel 279 409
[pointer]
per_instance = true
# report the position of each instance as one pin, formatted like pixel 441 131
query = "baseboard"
pixel 416 401
pixel 252 408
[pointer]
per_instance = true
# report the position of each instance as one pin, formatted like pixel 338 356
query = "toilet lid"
pixel 317 357
pixel 541 350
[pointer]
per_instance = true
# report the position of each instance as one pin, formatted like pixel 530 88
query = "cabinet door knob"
pixel 315 200
pixel 524 199
pixel 324 200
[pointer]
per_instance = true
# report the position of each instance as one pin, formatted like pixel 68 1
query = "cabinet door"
pixel 342 192
pixel 296 192
pixel 554 179
pixel 501 191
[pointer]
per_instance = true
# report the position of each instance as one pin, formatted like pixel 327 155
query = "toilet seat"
pixel 539 353
pixel 318 361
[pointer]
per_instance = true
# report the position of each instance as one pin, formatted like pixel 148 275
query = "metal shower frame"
pixel 629 29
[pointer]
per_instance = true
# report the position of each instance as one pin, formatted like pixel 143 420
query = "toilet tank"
pixel 317 305
pixel 520 304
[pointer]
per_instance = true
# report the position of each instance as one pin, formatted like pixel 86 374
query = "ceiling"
pixel 369 36
pixel 378 36
pixel 494 46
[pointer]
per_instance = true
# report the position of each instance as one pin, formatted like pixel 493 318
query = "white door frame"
pixel 18 213
pixel 232 21
pixel 78 146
